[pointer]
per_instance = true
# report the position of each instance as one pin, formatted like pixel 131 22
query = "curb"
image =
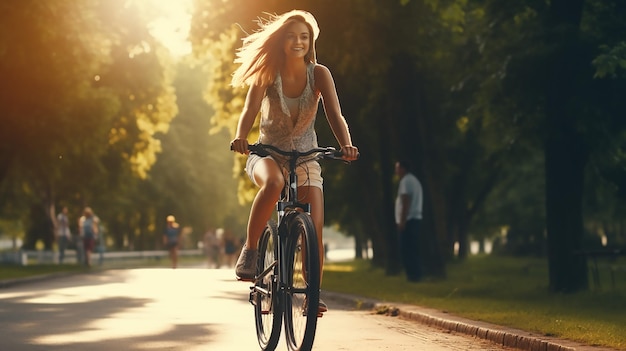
pixel 508 337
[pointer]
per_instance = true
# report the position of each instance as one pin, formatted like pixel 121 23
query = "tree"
pixel 192 177
pixel 79 104
pixel 549 79
pixel 50 64
pixel 566 154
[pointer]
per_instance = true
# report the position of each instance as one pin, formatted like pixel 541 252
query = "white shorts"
pixel 309 173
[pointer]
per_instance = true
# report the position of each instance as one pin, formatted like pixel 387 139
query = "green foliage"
pixel 92 97
pixel 192 175
pixel 611 62
pixel 227 102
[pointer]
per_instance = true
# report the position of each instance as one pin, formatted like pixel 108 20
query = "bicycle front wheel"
pixel 303 283
pixel 264 295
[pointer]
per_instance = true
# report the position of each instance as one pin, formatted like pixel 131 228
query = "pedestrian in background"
pixel 88 225
pixel 171 238
pixel 408 213
pixel 212 248
pixel 64 235
pixel 231 246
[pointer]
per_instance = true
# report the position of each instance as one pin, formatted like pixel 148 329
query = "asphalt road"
pixel 184 309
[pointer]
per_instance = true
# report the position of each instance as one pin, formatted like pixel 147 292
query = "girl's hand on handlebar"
pixel 240 145
pixel 350 152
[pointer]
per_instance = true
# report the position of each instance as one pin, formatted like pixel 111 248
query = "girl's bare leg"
pixel 270 179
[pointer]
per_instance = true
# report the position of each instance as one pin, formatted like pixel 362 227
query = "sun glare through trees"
pixel 171 24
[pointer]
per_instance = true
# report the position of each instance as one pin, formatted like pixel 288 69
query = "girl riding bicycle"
pixel 286 83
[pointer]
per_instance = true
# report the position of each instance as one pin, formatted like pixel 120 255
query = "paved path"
pixel 186 309
pixel 189 309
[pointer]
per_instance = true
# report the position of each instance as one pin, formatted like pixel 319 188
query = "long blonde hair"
pixel 261 54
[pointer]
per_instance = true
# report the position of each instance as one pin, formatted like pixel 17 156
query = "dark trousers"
pixel 62 242
pixel 409 247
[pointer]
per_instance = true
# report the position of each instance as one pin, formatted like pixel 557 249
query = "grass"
pixel 505 291
pixel 501 290
pixel 9 272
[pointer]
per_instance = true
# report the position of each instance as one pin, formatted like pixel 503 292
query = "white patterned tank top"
pixel 279 128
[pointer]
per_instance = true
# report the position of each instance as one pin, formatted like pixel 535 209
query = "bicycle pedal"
pixel 319 314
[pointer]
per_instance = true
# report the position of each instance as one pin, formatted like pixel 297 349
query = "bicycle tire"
pixel 266 299
pixel 301 296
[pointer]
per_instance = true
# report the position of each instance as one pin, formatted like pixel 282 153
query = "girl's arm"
pixel 326 85
pixel 246 119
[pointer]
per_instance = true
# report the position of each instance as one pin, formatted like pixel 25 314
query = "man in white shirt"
pixel 408 211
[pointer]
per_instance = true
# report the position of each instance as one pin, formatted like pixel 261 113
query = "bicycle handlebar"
pixel 328 152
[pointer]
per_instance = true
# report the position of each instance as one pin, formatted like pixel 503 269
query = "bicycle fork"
pixel 266 283
pixel 279 282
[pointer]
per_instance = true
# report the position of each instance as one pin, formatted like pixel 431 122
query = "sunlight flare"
pixel 171 24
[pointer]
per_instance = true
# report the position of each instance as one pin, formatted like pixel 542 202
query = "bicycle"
pixel 287 282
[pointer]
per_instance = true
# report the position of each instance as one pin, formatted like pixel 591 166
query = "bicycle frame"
pixel 289 201
pixel 287 204
pixel 276 281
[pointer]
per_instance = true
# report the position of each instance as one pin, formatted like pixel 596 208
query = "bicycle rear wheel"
pixel 303 283
pixel 264 295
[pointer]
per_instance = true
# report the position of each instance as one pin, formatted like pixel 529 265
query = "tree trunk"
pixel 463 236
pixel 358 247
pixel 374 205
pixel 40 228
pixel 434 231
pixel 564 190
pixel 392 250
pixel 565 152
